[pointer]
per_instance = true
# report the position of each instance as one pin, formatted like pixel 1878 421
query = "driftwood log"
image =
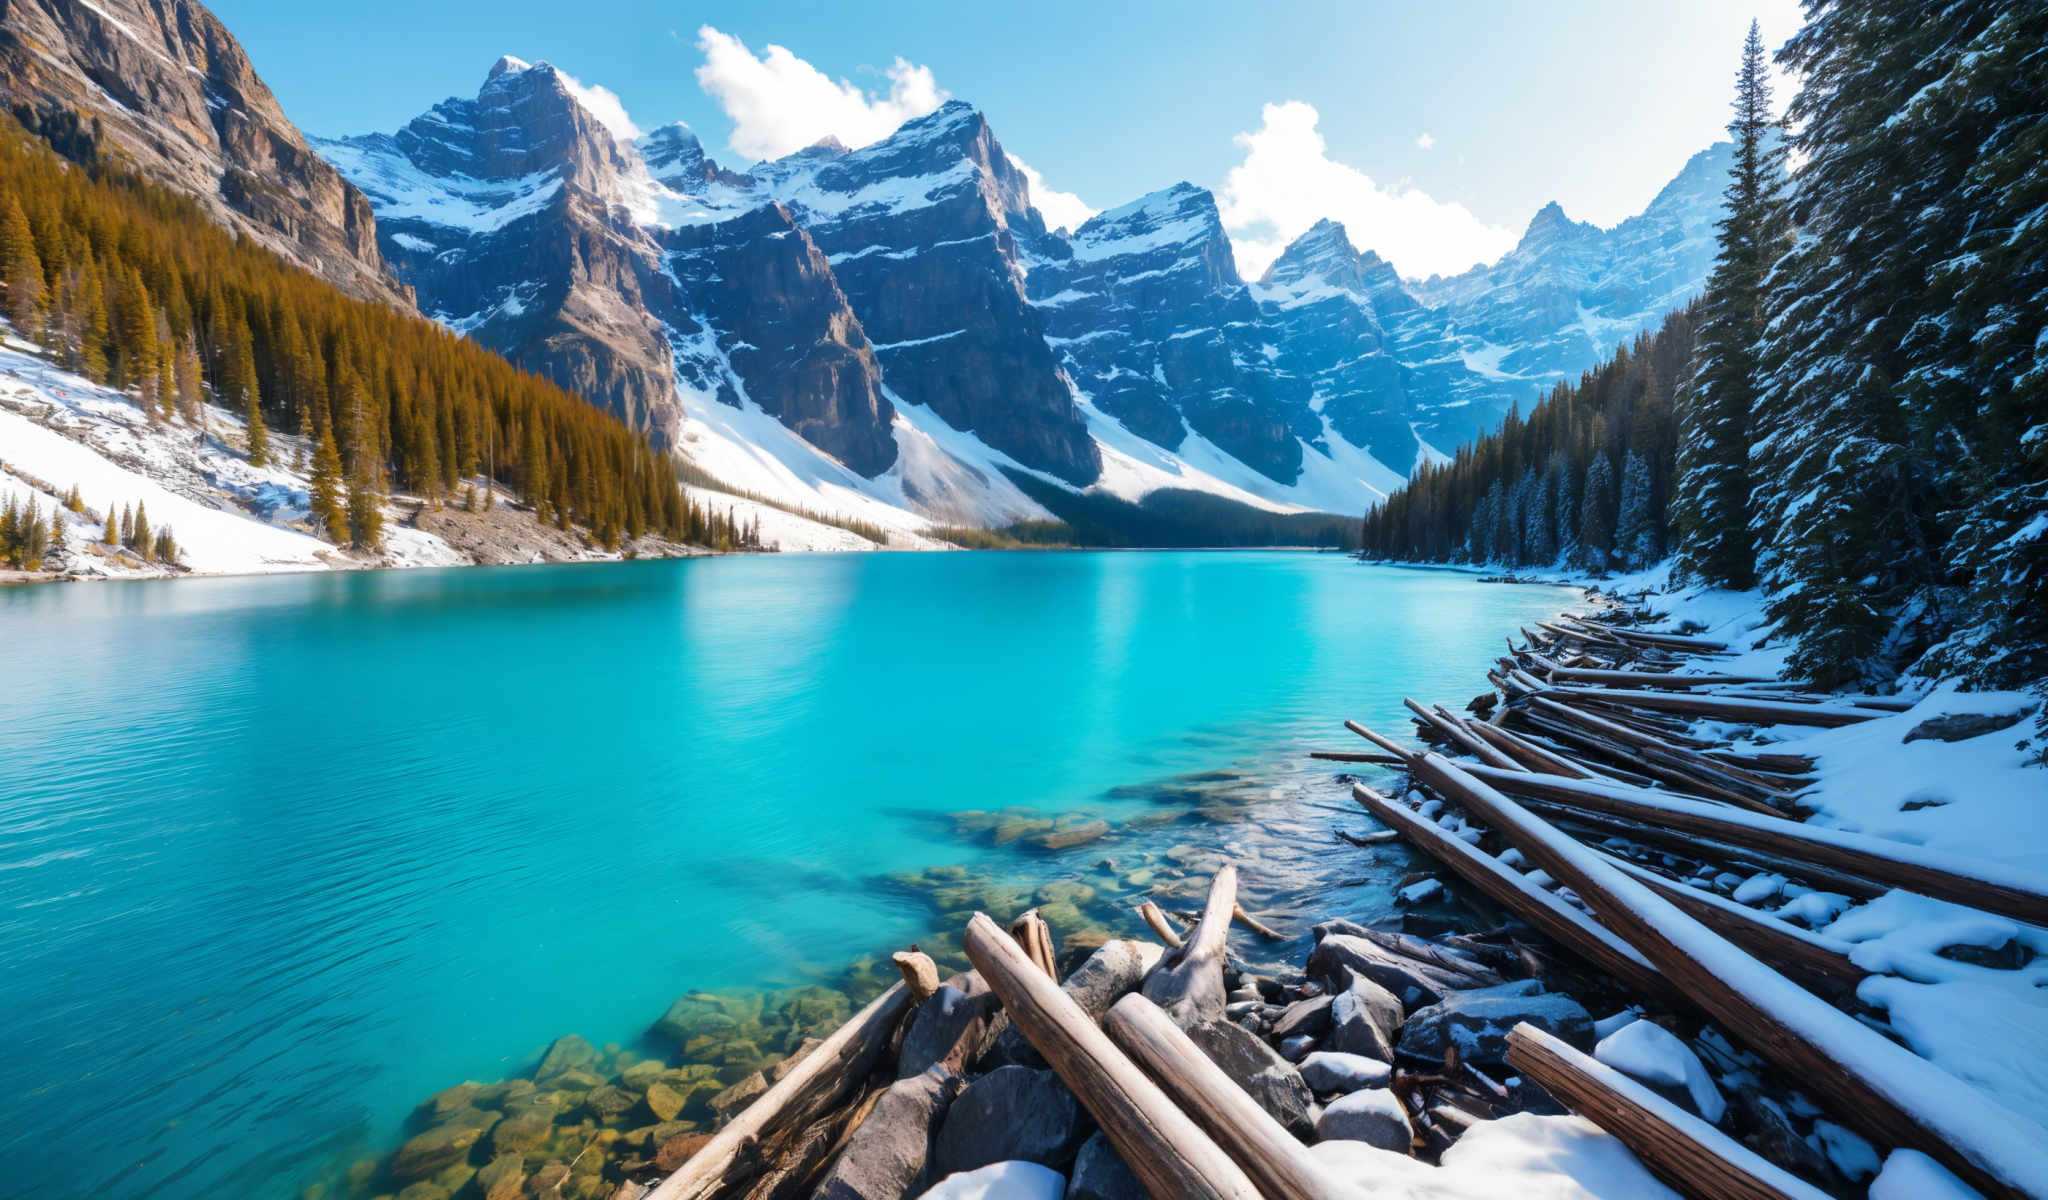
pixel 1279 1165
pixel 1238 914
pixel 1721 708
pixel 1035 937
pixel 1990 886
pixel 1692 1156
pixel 825 1077
pixel 1188 982
pixel 1167 1151
pixel 920 973
pixel 1156 918
pixel 1564 924
pixel 1821 964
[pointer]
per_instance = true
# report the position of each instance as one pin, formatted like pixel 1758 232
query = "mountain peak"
pixel 1324 252
pixel 1548 219
pixel 508 65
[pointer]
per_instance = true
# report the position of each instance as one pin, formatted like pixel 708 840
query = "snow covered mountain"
pixel 892 332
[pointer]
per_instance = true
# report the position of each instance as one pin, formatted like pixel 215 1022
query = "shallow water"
pixel 281 856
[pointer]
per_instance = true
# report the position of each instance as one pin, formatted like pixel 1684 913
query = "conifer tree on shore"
pixel 1714 480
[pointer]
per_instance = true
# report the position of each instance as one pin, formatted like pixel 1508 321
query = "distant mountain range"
pixel 889 332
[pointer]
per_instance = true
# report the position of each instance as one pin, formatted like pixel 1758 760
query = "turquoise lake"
pixel 281 856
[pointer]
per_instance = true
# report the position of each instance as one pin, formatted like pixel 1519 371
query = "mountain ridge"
pixel 1122 356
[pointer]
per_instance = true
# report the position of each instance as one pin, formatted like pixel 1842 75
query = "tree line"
pixel 1862 417
pixel 135 287
pixel 1584 481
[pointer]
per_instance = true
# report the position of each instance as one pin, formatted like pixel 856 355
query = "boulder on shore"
pixel 1476 1023
pixel 1373 1116
pixel 889 1156
pixel 1012 1113
pixel 1101 1174
pixel 1260 1071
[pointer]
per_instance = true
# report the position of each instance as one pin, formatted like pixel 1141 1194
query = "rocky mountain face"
pixel 894 325
pixel 164 86
pixel 1145 309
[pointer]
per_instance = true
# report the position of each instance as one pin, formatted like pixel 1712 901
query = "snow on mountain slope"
pixel 59 430
pixel 227 516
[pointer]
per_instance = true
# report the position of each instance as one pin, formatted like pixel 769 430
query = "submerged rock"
pixel 442 1146
pixel 567 1053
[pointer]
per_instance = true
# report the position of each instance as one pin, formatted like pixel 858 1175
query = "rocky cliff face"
pixel 172 93
pixel 504 213
pixel 1325 302
pixel 1153 325
pixel 910 331
pixel 921 232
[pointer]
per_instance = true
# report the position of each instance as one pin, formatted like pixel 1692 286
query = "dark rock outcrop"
pixel 1012 1113
pixel 889 1156
pixel 1476 1023
pixel 1260 1071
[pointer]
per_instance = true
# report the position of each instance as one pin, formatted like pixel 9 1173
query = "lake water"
pixel 281 856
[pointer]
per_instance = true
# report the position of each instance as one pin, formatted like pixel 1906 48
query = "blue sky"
pixel 1433 130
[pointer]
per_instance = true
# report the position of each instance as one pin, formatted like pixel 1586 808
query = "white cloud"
pixel 602 103
pixel 1426 140
pixel 1058 208
pixel 780 103
pixel 1288 181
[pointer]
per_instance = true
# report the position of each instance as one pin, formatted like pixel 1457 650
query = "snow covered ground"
pixel 59 431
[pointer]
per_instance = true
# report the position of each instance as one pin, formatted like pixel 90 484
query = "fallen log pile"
pixel 1154 1070
pixel 1652 852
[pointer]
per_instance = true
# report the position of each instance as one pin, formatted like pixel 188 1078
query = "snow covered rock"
pixel 1371 1115
pixel 1002 1181
pixel 1654 1055
pixel 1335 1071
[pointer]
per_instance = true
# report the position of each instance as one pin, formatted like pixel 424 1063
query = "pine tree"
pixel 1902 366
pixel 1712 502
pixel 74 501
pixel 21 270
pixel 365 512
pixel 135 349
pixel 57 539
pixel 328 514
pixel 141 542
pixel 89 352
pixel 112 536
pixel 127 526
pixel 1596 515
pixel 1635 531
pixel 166 548
pixel 258 435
